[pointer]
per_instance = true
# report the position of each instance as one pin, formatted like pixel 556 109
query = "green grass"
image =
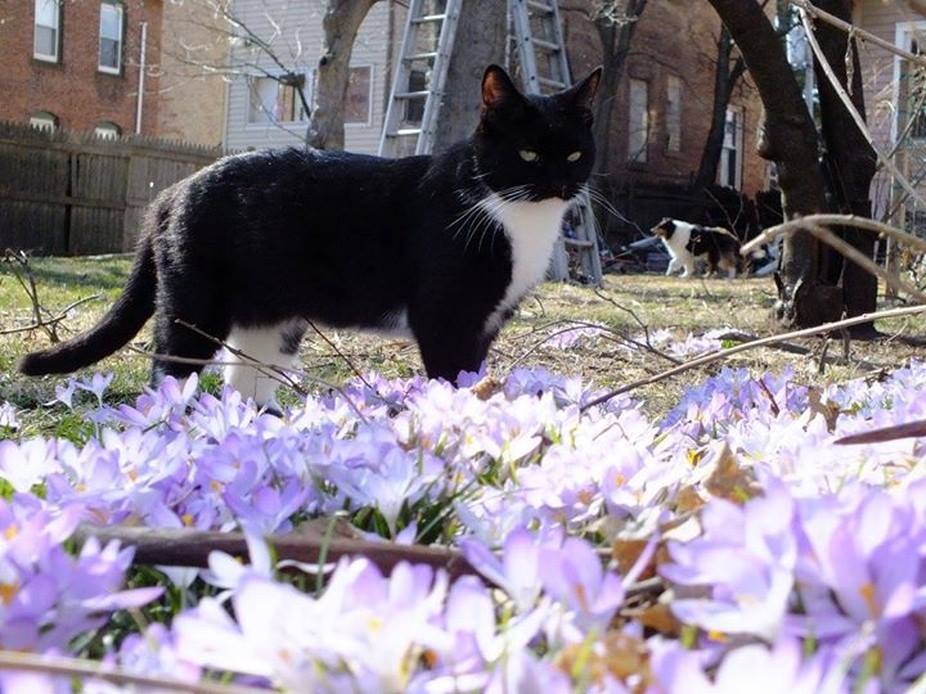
pixel 658 302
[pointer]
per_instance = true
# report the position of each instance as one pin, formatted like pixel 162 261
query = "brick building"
pixel 75 65
pixel 663 108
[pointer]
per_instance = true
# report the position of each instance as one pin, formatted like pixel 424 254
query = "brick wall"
pixel 73 89
pixel 673 38
pixel 191 104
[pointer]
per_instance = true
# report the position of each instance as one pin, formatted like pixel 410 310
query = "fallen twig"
pixel 774 339
pixel 54 320
pixel 910 430
pixel 61 666
pixel 187 547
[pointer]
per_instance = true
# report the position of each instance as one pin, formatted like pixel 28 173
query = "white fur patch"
pixel 681 257
pixel 532 229
pixel 395 324
pixel 264 345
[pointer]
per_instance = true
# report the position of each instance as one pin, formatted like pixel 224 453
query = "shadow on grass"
pixel 105 274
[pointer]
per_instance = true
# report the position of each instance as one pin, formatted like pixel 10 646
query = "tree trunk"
pixel 480 41
pixel 851 165
pixel 341 23
pixel 725 80
pixel 615 38
pixel 789 138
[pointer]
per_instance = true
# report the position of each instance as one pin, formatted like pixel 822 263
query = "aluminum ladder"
pixel 420 78
pixel 541 51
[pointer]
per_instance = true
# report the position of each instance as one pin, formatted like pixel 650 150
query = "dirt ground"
pixel 629 305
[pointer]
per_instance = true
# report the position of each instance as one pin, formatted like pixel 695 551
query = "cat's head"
pixel 535 147
pixel 664 229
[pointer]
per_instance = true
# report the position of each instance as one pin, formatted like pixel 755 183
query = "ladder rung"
pixel 412 95
pixel 539 6
pixel 427 18
pixel 547 45
pixel 420 56
pixel 552 83
pixel 405 132
pixel 578 243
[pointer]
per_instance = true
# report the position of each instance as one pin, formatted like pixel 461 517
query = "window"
pixel 110 38
pixel 47 22
pixel 638 131
pixel 43 120
pixel 730 173
pixel 674 114
pixel 913 97
pixel 107 130
pixel 276 100
pixel 357 105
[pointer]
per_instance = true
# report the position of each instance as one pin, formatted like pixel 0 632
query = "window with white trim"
pixel 47 38
pixel 638 131
pixel 358 102
pixel 912 111
pixel 107 130
pixel 276 100
pixel 674 113
pixel 730 171
pixel 44 120
pixel 110 57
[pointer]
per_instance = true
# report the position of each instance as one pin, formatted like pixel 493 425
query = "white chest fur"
pixel 680 238
pixel 532 229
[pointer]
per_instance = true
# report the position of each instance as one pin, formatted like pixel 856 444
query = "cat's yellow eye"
pixel 575 156
pixel 529 155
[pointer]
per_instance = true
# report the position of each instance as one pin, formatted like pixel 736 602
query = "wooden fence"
pixel 77 194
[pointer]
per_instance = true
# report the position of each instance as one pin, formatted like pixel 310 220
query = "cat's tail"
pixel 120 324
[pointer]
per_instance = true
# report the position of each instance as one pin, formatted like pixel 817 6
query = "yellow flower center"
pixel 187 519
pixel 8 592
pixel 867 592
pixel 11 531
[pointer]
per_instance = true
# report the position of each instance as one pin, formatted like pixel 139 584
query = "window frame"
pixel 107 69
pixel 44 120
pixel 308 89
pixel 674 80
pixel 107 130
pixel 638 155
pixel 369 121
pixel 905 33
pixel 46 57
pixel 739 124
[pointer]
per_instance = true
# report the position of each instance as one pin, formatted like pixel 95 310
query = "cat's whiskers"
pixel 472 222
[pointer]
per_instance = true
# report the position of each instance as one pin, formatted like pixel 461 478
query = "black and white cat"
pixel 442 247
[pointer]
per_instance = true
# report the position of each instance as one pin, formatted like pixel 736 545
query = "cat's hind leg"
pixel 185 350
pixel 260 350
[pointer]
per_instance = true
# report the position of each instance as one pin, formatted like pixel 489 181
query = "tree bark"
pixel 616 38
pixel 480 41
pixel 725 80
pixel 851 164
pixel 789 138
pixel 341 23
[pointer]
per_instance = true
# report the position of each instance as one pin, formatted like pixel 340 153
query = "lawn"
pixel 631 305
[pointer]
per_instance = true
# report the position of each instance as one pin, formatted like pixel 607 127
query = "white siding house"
pixel 262 112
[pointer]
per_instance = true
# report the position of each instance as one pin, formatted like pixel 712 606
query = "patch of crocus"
pixel 48 596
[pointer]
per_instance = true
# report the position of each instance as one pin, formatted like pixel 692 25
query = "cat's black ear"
pixel 497 89
pixel 583 93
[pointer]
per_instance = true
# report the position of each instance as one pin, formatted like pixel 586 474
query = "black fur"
pixel 714 244
pixel 343 239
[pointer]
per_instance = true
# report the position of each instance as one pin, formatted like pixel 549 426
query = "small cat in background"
pixel 688 243
pixel 444 247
